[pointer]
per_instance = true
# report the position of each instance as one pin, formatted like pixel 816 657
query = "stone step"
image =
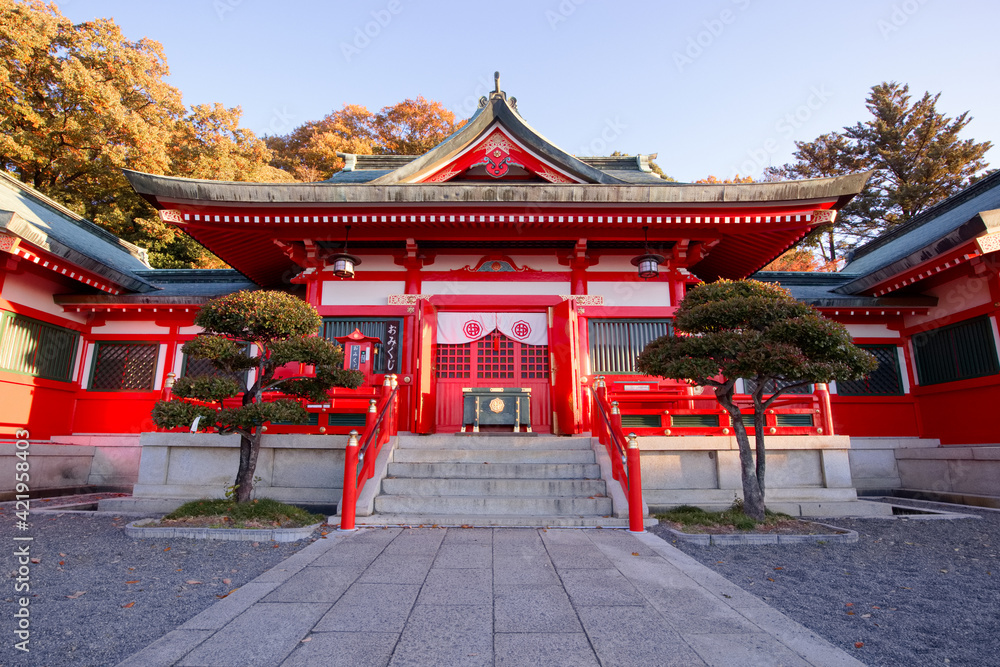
pixel 497 470
pixel 493 487
pixel 491 521
pixel 481 441
pixel 499 505
pixel 493 456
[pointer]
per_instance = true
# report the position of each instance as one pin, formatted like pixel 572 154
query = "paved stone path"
pixel 502 596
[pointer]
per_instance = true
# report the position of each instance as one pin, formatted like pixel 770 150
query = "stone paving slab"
pixel 500 596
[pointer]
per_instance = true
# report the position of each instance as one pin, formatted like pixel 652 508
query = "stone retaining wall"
pixel 806 475
pixel 108 461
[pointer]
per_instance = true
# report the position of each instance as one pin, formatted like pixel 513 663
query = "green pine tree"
pixel 916 157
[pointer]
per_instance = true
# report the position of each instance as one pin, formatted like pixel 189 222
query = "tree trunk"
pixel 250 444
pixel 758 426
pixel 249 448
pixel 753 494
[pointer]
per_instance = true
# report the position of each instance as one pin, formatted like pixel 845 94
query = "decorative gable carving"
pixel 497 264
pixel 499 156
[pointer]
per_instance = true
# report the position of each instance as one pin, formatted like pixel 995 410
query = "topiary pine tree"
pixel 259 332
pixel 748 329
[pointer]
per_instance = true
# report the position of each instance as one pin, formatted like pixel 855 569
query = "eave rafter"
pixel 17 252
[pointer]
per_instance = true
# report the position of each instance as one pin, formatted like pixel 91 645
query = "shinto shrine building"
pixel 498 260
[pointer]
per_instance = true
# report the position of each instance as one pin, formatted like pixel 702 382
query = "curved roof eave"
pixel 162 191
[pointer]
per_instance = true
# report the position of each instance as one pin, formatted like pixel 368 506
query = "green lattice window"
pixel 124 366
pixel 884 380
pixel 773 385
pixel 956 352
pixel 615 344
pixel 195 366
pixel 36 348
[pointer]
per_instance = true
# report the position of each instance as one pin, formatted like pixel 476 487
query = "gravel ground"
pixel 98 596
pixel 910 591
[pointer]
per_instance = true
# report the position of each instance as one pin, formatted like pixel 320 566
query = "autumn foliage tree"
pixel 411 127
pixel 914 151
pixel 253 334
pixel 747 329
pixel 82 101
pixel 800 260
pixel 713 180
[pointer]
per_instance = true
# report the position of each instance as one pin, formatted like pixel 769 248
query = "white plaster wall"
pixel 161 363
pixel 871 331
pixel 469 288
pixel 536 262
pixel 183 331
pixel 615 263
pixel 621 293
pixel 375 263
pixel 954 297
pixel 128 327
pixel 360 292
pixel 36 292
pixel 452 262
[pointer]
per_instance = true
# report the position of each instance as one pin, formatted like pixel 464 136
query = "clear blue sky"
pixel 714 87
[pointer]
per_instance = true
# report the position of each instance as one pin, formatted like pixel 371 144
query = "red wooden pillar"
pixel 424 392
pixel 564 366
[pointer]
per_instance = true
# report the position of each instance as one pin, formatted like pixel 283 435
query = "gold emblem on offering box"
pixel 496 405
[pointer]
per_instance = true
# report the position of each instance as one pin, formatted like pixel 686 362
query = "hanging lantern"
pixel 344 263
pixel 649 263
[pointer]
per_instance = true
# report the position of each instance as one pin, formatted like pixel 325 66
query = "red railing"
pixel 623 451
pixel 362 452
pixel 679 411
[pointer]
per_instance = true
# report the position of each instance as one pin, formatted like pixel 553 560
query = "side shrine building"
pixel 499 261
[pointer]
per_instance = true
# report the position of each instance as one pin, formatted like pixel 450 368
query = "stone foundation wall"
pixel 806 475
pixel 65 462
pixel 292 468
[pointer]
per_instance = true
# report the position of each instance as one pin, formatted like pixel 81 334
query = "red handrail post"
pixel 616 425
pixel 825 411
pixel 635 520
pixel 394 414
pixel 349 501
pixel 600 393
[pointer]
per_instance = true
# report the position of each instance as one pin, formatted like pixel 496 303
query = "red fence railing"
pixel 363 451
pixel 623 451
pixel 679 411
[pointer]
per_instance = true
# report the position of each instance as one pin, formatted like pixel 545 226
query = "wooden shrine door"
pixel 492 361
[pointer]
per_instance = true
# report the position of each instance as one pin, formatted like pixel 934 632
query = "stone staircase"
pixel 493 480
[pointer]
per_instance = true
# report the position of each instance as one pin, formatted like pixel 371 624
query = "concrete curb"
pixel 703 539
pixel 138 530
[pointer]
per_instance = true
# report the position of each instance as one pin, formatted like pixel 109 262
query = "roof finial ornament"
pixel 496 81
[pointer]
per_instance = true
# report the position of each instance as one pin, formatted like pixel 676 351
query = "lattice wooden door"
pixel 492 361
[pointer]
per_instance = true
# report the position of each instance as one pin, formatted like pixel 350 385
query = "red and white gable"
pixel 497 155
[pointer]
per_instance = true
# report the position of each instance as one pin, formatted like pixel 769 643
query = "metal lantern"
pixel 648 265
pixel 344 263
